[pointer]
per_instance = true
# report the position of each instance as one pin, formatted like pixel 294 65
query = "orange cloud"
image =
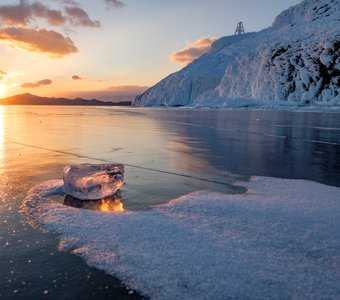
pixel 23 13
pixel 29 85
pixel 193 50
pixel 3 75
pixel 38 40
pixel 77 77
pixel 18 25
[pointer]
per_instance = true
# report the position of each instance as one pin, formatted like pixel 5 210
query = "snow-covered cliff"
pixel 296 60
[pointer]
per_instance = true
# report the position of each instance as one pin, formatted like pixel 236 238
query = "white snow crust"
pixel 296 60
pixel 280 240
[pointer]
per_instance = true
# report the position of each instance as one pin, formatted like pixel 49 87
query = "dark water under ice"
pixel 167 153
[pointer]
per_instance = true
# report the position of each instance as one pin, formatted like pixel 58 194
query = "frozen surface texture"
pixel 296 61
pixel 280 240
pixel 91 181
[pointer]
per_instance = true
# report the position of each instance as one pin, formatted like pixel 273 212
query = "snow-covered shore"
pixel 280 240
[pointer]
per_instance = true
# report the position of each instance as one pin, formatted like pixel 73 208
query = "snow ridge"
pixel 205 73
pixel 295 61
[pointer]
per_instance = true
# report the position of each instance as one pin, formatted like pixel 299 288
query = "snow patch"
pixel 280 240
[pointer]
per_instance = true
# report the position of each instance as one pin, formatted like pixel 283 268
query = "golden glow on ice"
pixel 109 204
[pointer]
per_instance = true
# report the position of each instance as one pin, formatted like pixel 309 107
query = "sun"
pixel 2 90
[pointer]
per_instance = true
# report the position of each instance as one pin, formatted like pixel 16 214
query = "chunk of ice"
pixel 93 181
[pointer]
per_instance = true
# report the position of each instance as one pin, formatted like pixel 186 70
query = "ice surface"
pixel 296 60
pixel 93 181
pixel 280 240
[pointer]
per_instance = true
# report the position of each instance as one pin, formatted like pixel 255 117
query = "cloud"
pixel 54 17
pixel 29 85
pixel 193 50
pixel 9 74
pixel 109 3
pixel 114 93
pixel 19 26
pixel 68 2
pixel 3 75
pixel 76 77
pixel 38 40
pixel 127 90
pixel 44 82
pixel 114 4
pixel 24 13
pixel 78 16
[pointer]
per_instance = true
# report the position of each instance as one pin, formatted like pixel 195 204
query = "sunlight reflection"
pixel 181 158
pixel 4 179
pixel 112 203
pixel 1 134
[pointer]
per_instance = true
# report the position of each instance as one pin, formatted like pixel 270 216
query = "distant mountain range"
pixel 293 62
pixel 29 99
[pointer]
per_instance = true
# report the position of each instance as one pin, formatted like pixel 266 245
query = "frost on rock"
pixel 296 72
pixel 295 61
pixel 93 181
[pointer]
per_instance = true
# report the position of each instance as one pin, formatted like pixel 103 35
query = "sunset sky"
pixel 100 48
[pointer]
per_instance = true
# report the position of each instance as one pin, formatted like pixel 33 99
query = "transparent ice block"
pixel 93 181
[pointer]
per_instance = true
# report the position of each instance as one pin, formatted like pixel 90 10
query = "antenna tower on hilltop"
pixel 239 28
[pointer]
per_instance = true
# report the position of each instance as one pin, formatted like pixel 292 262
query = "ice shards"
pixel 93 181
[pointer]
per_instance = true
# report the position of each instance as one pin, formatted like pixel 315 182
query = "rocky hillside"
pixel 295 61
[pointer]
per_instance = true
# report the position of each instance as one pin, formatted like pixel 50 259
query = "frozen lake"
pixel 167 154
